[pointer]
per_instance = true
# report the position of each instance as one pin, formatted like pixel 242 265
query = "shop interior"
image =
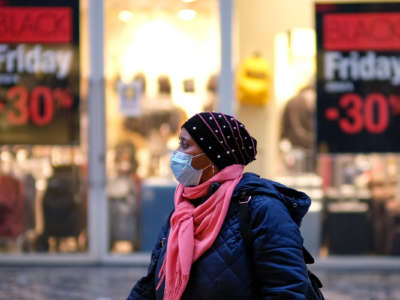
pixel 161 66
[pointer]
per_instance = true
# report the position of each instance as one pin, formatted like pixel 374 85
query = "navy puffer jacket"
pixel 274 270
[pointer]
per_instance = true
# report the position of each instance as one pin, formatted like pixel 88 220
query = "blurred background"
pixel 84 158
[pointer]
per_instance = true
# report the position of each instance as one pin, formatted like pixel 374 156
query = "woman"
pixel 200 253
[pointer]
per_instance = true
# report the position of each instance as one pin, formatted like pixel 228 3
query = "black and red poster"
pixel 39 72
pixel 358 77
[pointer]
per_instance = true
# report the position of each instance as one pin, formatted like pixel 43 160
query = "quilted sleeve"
pixel 279 267
pixel 144 288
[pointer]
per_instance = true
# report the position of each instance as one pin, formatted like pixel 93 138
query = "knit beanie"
pixel 223 138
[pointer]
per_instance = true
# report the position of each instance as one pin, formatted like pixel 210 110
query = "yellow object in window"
pixel 253 81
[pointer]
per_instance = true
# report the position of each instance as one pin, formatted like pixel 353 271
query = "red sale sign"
pixel 358 100
pixel 39 72
pixel 362 31
pixel 36 24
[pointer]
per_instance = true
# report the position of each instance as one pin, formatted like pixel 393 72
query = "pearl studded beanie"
pixel 223 138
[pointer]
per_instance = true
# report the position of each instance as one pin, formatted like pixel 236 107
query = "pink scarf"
pixel 194 229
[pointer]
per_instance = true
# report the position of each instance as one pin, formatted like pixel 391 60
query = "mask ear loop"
pixel 212 165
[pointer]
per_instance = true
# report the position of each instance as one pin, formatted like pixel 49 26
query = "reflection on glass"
pixel 124 192
pixel 43 199
pixel 160 61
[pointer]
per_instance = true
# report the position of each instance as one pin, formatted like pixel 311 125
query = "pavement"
pixel 113 283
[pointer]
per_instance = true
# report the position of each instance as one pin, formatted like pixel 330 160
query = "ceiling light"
pixel 187 14
pixel 188 1
pixel 125 16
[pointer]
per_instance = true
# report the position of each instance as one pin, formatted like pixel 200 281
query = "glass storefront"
pixel 43 151
pixel 44 199
pixel 360 209
pixel 161 65
pixel 355 209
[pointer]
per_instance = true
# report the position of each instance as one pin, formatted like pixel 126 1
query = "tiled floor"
pixel 113 283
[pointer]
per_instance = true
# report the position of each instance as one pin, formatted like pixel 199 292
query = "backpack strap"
pixel 244 219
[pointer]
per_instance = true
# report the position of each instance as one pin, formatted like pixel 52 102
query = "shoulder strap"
pixel 244 220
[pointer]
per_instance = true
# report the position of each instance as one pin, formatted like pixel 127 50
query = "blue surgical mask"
pixel 181 166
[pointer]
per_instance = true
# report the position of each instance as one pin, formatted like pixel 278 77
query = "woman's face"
pixel 189 146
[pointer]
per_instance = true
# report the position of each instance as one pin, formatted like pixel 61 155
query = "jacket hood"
pixel 296 202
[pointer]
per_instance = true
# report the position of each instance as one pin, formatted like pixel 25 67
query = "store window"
pixel 360 194
pixel 43 199
pixel 354 207
pixel 43 128
pixel 162 58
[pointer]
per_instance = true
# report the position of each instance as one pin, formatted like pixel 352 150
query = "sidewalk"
pixel 360 285
pixel 114 283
